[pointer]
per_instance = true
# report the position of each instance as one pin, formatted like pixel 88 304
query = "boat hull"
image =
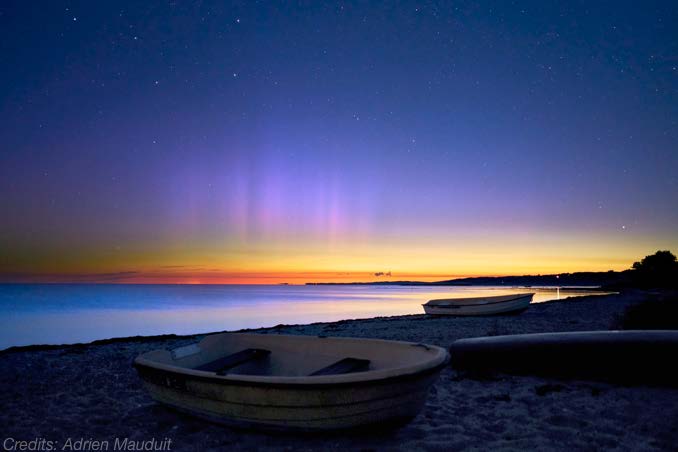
pixel 295 408
pixel 512 306
pixel 382 395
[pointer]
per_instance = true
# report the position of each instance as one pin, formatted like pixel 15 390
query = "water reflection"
pixel 31 314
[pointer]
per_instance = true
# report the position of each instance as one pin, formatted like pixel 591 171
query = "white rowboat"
pixel 294 382
pixel 502 304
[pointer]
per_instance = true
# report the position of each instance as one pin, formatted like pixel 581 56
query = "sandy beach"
pixel 91 392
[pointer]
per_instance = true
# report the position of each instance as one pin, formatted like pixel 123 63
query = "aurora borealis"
pixel 266 142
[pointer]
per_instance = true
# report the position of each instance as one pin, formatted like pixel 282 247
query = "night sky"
pixel 269 142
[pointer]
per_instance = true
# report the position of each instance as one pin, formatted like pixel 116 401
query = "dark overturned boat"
pixel 294 382
pixel 628 357
pixel 502 304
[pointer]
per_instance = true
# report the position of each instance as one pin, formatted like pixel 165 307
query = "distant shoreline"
pixel 578 279
pixel 434 284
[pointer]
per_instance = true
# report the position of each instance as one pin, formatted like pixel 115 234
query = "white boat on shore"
pixel 502 304
pixel 294 382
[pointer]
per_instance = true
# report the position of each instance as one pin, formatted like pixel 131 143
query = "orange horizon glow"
pixel 225 277
pixel 298 262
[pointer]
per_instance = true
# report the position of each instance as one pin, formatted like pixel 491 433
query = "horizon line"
pixel 136 278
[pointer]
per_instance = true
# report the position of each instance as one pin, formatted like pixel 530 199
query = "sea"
pixel 70 313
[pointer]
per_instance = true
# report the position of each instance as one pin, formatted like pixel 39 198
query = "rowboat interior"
pixel 294 358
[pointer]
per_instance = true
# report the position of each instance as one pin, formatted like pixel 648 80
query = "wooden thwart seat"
pixel 222 365
pixel 344 366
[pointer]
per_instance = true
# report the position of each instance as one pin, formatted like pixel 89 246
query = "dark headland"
pixel 591 279
pixel 659 270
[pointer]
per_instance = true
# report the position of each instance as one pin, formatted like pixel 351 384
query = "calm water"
pixel 56 314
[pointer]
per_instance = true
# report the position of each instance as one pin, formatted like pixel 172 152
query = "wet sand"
pixel 90 391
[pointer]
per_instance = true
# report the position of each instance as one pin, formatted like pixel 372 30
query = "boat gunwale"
pixel 379 376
